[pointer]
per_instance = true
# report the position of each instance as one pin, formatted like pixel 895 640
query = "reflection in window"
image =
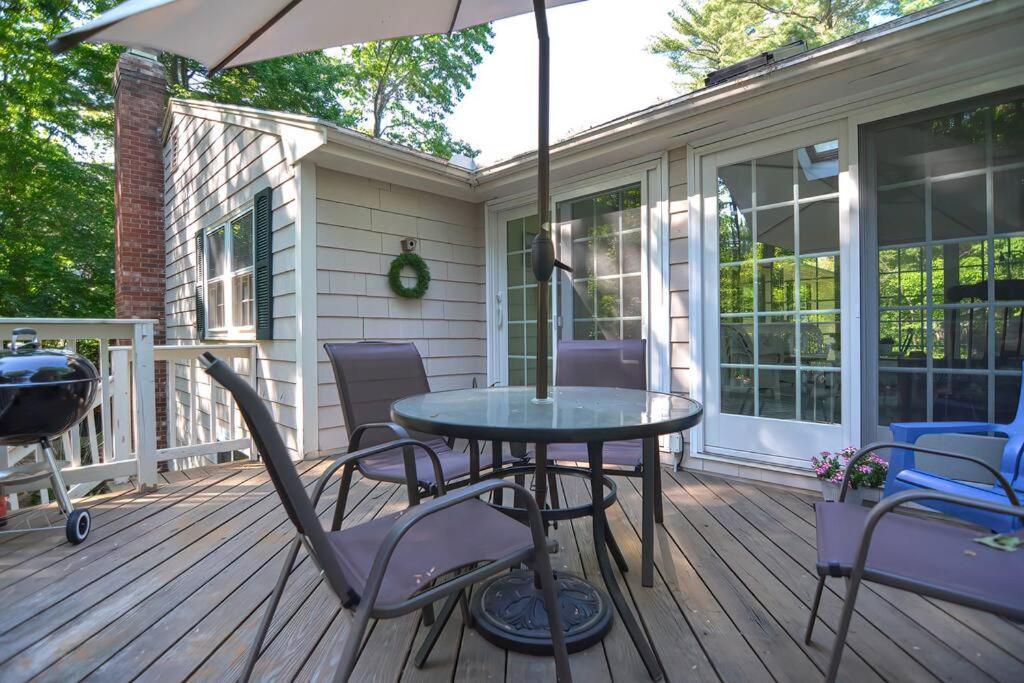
pixel 949 215
pixel 778 220
pixel 607 287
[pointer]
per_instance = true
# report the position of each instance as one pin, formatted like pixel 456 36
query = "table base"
pixel 509 612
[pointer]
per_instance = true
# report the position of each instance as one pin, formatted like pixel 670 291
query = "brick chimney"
pixel 140 98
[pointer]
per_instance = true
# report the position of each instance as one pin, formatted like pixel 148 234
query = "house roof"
pixel 943 42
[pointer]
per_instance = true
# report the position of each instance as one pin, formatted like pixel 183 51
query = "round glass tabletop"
pixel 576 414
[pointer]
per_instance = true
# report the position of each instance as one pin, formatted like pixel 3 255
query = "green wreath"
pixel 422 276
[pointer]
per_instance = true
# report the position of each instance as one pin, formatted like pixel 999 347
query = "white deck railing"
pixel 118 438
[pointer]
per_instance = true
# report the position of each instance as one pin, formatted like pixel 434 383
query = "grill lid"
pixel 26 364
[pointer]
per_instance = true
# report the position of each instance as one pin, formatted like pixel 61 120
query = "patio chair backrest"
pixel 619 363
pixel 370 377
pixel 267 441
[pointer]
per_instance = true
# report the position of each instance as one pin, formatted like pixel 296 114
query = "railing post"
pixel 144 388
pixel 119 446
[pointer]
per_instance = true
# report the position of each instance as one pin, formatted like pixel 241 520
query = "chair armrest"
pixel 355 456
pixel 410 461
pixel 870 448
pixel 914 430
pixel 419 512
pixel 356 437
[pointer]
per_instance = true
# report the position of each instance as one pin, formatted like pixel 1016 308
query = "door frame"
pixel 704 259
pixel 652 174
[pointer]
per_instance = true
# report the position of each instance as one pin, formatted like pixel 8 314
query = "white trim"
pixel 695 311
pixel 306 357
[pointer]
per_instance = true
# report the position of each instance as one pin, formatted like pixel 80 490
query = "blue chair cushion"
pixel 917 480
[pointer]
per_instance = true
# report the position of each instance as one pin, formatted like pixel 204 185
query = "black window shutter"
pixel 200 298
pixel 264 264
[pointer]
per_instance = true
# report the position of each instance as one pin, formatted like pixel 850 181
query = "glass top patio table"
pixel 508 610
pixel 575 414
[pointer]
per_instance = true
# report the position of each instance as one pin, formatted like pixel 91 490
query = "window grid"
pixel 990 241
pixel 228 277
pixel 796 312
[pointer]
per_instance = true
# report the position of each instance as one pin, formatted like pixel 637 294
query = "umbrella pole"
pixel 543 191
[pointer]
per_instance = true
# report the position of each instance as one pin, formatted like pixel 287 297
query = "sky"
pixel 600 69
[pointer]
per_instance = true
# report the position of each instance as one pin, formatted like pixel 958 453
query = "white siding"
pixel 211 170
pixel 360 223
pixel 679 272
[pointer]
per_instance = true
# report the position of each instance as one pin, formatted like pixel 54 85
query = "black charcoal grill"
pixel 43 393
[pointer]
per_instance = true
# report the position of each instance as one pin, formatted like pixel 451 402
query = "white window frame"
pixel 227 278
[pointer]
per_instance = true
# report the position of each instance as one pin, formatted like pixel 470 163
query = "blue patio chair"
pixel 904 475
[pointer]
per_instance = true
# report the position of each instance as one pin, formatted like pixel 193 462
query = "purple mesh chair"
pixel 928 556
pixel 620 364
pixel 370 377
pixel 396 564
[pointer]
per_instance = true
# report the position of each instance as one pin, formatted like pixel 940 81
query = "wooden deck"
pixel 170 586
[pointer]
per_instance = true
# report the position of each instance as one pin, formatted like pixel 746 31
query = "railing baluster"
pixel 105 409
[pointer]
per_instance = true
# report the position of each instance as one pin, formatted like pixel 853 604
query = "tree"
pixel 403 89
pixel 709 35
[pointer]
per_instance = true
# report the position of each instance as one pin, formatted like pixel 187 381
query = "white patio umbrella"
pixel 225 33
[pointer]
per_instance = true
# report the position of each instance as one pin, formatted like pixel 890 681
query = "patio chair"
pixel 620 364
pixel 393 565
pixel 924 555
pixel 370 377
pixel 905 476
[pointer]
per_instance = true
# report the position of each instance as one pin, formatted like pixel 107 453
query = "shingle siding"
pixel 360 223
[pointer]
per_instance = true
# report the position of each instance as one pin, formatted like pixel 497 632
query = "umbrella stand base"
pixel 509 612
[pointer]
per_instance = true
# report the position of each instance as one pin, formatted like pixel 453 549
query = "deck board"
pixel 171 584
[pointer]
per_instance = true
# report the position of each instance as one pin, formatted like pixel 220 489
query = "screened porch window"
pixel 949 211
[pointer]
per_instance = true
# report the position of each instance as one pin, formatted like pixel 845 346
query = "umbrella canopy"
pixel 226 33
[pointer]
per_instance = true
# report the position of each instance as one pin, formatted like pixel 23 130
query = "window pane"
pixel 632 329
pixel 901 215
pixel 960 338
pixel 241 242
pixel 607 252
pixel 215 253
pixel 959 397
pixel 819 283
pixel 1007 397
pixel 1008 190
pixel 734 235
pixel 819 226
pixel 734 186
pixel 819 340
pixel 738 391
pixel 959 273
pixel 902 397
pixel 959 207
pixel 736 337
pixel 774 178
pixel 632 301
pixel 1009 335
pixel 530 228
pixel 776 390
pixel 901 277
pixel 736 285
pixel 901 338
pixel 776 340
pixel 243 302
pixel 775 232
pixel 608 298
pixel 776 285
pixel 956 142
pixel 215 305
pixel 820 397
pixel 515 270
pixel 1008 132
pixel 818 169
pixel 516 339
pixel 581 215
pixel 631 247
pixel 514 235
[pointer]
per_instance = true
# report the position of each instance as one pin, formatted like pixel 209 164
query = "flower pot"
pixel 830 492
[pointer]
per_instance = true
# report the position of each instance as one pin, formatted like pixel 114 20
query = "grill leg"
pixel 58 481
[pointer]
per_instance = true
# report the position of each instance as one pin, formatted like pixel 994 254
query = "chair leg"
pixel 268 616
pixel 844 628
pixel 435 631
pixel 553 494
pixel 353 644
pixel 814 610
pixel 343 487
pixel 547 583
pixel 428 615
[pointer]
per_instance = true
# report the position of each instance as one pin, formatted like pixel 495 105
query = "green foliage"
pixel 56 209
pixel 403 89
pixel 710 34
pixel 56 125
